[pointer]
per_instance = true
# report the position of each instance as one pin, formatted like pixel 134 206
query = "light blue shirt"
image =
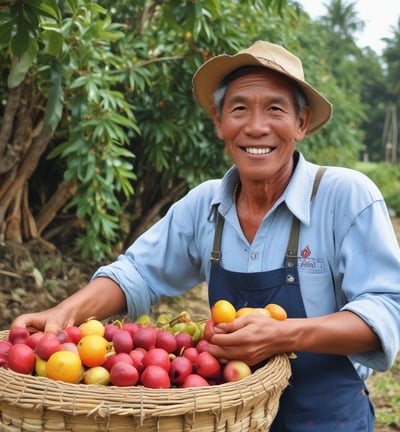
pixel 348 256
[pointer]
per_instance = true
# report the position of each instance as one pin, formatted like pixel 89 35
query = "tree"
pixel 80 78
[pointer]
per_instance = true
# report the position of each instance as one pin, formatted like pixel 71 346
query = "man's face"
pixel 260 126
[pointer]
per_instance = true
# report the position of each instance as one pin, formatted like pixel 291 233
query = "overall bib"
pixel 325 393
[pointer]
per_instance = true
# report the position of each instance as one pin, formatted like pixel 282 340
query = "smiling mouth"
pixel 258 150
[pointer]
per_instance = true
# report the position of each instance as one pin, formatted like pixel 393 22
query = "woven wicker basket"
pixel 37 404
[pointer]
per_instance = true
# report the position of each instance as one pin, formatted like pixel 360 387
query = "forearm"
pixel 100 299
pixel 338 333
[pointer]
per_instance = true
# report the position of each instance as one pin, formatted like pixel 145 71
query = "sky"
pixel 378 15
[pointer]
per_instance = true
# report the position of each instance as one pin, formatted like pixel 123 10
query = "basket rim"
pixel 22 390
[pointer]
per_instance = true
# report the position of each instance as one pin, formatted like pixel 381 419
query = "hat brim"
pixel 208 77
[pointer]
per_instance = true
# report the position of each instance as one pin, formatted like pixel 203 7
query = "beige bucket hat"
pixel 208 77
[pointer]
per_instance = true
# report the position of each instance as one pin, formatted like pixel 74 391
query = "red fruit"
pixel 112 359
pixel 73 334
pixel 18 335
pixel 166 341
pixel 122 341
pixel 194 380
pixel 131 327
pixel 209 330
pixel 183 341
pixel 5 346
pixel 207 365
pixel 21 358
pixel 48 345
pixel 191 353
pixel 145 337
pixel 33 339
pixel 202 345
pixel 157 357
pixel 137 357
pixel 109 331
pixel 155 377
pixel 123 374
pixel 179 369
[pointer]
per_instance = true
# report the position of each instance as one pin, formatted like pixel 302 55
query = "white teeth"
pixel 258 151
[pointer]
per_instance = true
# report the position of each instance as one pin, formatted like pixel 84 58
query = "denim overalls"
pixel 325 393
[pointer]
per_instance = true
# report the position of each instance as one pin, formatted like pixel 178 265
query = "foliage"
pixel 387 177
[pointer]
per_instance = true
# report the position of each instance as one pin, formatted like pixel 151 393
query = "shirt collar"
pixel 296 196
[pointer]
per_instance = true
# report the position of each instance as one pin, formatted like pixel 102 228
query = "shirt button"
pixel 253 256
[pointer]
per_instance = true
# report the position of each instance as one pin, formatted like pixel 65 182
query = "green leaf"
pixel 55 101
pixel 5 31
pixel 20 68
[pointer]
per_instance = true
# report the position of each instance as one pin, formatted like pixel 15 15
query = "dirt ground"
pixel 32 278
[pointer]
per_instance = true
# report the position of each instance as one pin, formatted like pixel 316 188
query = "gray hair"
pixel 300 98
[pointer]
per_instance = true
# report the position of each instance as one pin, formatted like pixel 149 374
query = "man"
pixel 278 230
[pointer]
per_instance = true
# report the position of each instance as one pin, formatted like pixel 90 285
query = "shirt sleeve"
pixel 370 264
pixel 164 261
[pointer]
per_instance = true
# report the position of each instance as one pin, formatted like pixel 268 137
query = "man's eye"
pixel 276 108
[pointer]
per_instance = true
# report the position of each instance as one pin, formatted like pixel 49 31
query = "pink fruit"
pixel 145 337
pixel 112 359
pixel 155 377
pixel 179 369
pixel 123 374
pixel 209 330
pixel 157 357
pixel 194 380
pixel 236 370
pixel 5 346
pixel 207 365
pixel 137 355
pixel 69 346
pixel 202 345
pixel 166 341
pixel 122 341
pixel 21 358
pixel 73 334
pixel 183 341
pixel 191 353
pixel 131 327
pixel 48 345
pixel 33 339
pixel 18 335
pixel 109 331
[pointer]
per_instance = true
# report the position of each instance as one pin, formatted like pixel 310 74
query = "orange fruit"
pixel 92 327
pixel 64 366
pixel 223 311
pixel 92 350
pixel 276 311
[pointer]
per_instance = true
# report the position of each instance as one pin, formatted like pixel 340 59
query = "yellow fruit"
pixel 40 366
pixel 64 366
pixel 244 311
pixel 92 350
pixel 97 375
pixel 92 327
pixel 223 312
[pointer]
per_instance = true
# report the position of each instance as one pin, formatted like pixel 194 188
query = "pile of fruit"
pixel 162 354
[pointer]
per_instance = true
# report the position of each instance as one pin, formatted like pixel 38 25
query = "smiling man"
pixel 275 229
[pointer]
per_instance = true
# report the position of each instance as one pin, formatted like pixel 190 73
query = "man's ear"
pixel 217 122
pixel 303 119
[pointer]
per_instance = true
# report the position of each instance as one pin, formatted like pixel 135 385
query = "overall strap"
pixel 216 250
pixel 293 244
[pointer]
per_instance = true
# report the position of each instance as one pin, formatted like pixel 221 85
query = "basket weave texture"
pixel 31 403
